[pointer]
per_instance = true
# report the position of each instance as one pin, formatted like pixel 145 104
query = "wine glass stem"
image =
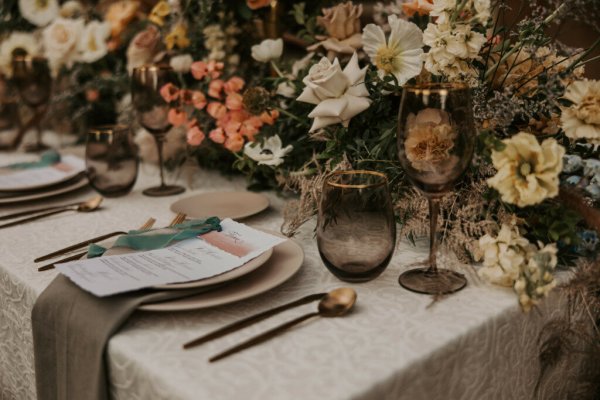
pixel 159 146
pixel 434 209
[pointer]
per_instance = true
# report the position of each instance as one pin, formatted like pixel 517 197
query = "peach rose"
pixel 234 85
pixel 198 99
pixel 215 87
pixel 199 70
pixel 177 117
pixel 216 110
pixel 143 47
pixel 234 101
pixel 217 135
pixel 195 136
pixel 234 143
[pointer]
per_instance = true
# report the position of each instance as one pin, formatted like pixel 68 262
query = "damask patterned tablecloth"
pixel 475 344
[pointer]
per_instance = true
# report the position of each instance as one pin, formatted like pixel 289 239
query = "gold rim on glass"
pixel 106 129
pixel 382 182
pixel 152 67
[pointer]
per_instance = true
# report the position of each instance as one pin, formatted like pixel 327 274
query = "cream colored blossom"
pixel 271 152
pixel 71 9
pixel 401 54
pixel 527 171
pixel 92 43
pixel 338 94
pixel 39 13
pixel 60 40
pixel 582 119
pixel 342 23
pixel 268 50
pixel 23 41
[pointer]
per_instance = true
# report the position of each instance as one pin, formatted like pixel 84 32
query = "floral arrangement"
pixel 286 107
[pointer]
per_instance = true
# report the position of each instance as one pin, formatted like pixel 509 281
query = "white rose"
pixel 92 44
pixel 39 13
pixel 181 63
pixel 267 50
pixel 60 42
pixel 338 95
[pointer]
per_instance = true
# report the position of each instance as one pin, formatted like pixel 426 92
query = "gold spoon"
pixel 85 206
pixel 335 304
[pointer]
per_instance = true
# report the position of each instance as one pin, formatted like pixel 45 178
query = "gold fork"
pixel 179 218
pixel 147 225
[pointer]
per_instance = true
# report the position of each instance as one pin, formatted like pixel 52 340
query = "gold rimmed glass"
pixel 111 160
pixel 436 138
pixel 33 81
pixel 152 113
pixel 356 232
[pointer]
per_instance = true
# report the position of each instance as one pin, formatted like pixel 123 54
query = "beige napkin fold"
pixel 71 328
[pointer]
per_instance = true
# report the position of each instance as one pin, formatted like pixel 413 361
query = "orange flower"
pixel 215 88
pixel 195 136
pixel 214 68
pixel 232 128
pixel 422 7
pixel 91 95
pixel 177 117
pixel 234 85
pixel 120 14
pixel 234 101
pixel 199 70
pixel 169 92
pixel 256 4
pixel 198 99
pixel 217 135
pixel 234 143
pixel 268 117
pixel 216 110
pixel 250 127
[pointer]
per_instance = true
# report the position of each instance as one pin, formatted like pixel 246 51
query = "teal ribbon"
pixel 47 158
pixel 143 240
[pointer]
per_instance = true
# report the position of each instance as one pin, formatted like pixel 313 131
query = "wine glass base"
pixel 442 281
pixel 36 147
pixel 166 190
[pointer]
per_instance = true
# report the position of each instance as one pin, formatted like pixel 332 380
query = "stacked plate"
pixel 20 185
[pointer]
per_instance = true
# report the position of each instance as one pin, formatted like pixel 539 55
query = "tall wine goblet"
pixel 436 137
pixel 34 83
pixel 152 113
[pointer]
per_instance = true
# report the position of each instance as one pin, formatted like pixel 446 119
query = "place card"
pixel 208 255
pixel 23 179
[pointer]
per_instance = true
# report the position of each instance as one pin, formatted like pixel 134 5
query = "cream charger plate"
pixel 234 205
pixel 213 280
pixel 286 260
pixel 69 168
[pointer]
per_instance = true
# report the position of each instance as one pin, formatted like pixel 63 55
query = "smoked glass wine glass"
pixel 356 232
pixel 436 138
pixel 33 81
pixel 152 113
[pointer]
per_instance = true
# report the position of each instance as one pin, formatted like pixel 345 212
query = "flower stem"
pixel 292 116
pixel 276 69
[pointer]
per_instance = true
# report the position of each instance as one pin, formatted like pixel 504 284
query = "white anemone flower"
pixel 39 12
pixel 16 41
pixel 271 152
pixel 401 55
pixel 92 43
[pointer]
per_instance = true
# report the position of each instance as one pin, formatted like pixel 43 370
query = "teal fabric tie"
pixel 143 240
pixel 47 158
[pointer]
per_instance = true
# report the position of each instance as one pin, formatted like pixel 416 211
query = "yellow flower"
pixel 159 12
pixel 177 37
pixel 582 119
pixel 527 171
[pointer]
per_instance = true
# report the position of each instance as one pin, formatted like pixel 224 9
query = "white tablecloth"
pixel 475 344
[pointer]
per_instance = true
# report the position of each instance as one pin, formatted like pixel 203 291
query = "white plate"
pixel 286 260
pixel 22 180
pixel 234 205
pixel 71 187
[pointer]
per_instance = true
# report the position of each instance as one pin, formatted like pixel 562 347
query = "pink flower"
pixel 269 117
pixel 195 136
pixel 214 68
pixel 169 92
pixel 199 70
pixel 91 95
pixel 250 127
pixel 234 85
pixel 177 117
pixel 232 128
pixel 215 88
pixel 216 110
pixel 234 143
pixel 234 101
pixel 198 99
pixel 217 135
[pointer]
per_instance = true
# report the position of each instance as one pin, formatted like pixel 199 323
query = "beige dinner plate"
pixel 234 205
pixel 286 260
pixel 58 190
pixel 75 166
pixel 213 280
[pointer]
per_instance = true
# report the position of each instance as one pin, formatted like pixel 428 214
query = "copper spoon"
pixel 335 304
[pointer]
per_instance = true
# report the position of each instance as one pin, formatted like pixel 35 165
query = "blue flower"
pixel 591 167
pixel 571 163
pixel 588 240
pixel 573 180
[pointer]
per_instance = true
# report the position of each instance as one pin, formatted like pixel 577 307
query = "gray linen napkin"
pixel 71 328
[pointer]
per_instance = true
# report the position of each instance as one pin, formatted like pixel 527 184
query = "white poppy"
pixel 267 50
pixel 92 43
pixel 17 40
pixel 338 94
pixel 401 54
pixel 271 152
pixel 181 63
pixel 39 13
